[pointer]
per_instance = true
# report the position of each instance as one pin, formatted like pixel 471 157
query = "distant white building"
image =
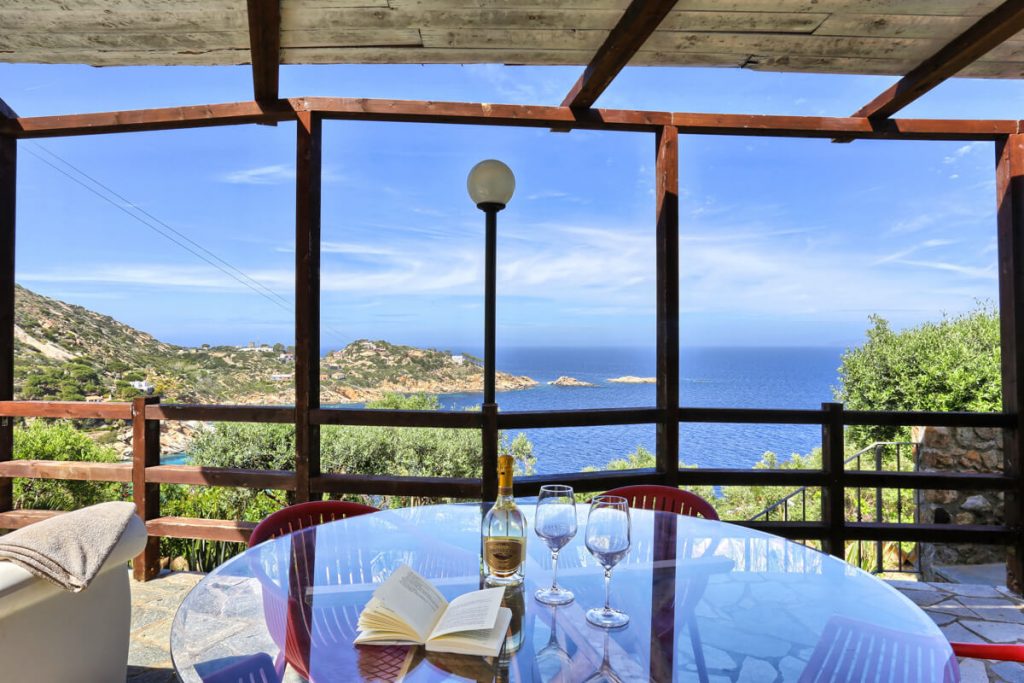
pixel 143 385
pixel 458 359
pixel 283 377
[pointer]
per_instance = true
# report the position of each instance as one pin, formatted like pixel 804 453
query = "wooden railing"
pixel 147 474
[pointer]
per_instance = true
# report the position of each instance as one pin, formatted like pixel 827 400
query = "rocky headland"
pixel 630 379
pixel 566 381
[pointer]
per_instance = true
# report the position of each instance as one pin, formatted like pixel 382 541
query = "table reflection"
pixel 705 599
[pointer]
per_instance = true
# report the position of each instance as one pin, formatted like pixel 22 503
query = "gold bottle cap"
pixel 505 466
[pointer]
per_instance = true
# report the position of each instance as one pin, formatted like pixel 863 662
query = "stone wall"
pixel 960 449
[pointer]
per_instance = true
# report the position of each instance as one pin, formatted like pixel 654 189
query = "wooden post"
pixel 667 245
pixel 1010 236
pixel 307 300
pixel 833 495
pixel 663 599
pixel 145 453
pixel 8 190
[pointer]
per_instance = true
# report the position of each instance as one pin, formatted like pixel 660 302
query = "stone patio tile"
pixel 941 618
pixel 953 607
pixel 972 590
pixel 142 654
pixel 757 671
pixel 957 633
pixel 1009 671
pixel 973 671
pixel 791 668
pixel 924 598
pixel 156 632
pixel 903 585
pixel 998 610
pixel 995 631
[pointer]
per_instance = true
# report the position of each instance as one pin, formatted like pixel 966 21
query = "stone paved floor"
pixel 153 607
pixel 964 612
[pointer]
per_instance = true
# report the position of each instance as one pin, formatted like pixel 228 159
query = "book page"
pixel 412 599
pixel 470 612
pixel 485 642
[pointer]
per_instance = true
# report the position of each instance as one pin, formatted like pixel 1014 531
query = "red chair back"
pixel 851 650
pixel 295 517
pixel 665 499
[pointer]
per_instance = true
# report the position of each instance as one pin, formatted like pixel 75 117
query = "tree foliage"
pixel 949 365
pixel 41 441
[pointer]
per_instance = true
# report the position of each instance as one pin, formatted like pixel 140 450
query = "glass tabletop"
pixel 705 599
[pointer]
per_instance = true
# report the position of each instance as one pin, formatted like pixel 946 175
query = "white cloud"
pixel 261 175
pixel 960 152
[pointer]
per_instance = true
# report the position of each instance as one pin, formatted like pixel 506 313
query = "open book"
pixel 407 610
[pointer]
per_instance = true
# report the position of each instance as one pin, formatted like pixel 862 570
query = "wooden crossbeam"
pixel 638 22
pixel 992 29
pixel 265 46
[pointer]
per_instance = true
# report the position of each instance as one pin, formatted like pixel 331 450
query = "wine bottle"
pixel 504 533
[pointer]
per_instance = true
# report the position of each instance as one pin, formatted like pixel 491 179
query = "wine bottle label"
pixel 503 555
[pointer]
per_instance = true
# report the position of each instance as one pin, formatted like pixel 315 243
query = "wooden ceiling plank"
pixel 265 46
pixel 895 25
pixel 994 28
pixel 638 22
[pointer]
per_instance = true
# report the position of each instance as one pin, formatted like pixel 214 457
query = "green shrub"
pixel 950 365
pixel 41 441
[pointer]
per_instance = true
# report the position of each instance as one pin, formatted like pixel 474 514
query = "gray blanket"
pixel 69 549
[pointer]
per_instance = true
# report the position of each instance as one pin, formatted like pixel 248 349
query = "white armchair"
pixel 48 635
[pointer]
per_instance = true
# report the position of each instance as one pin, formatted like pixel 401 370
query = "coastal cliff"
pixel 67 352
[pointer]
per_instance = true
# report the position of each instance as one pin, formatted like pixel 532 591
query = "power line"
pixel 209 257
pixel 196 249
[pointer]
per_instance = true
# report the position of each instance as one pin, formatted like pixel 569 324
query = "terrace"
pixel 969 39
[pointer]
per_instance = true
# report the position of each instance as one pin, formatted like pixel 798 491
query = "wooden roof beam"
pixel 992 29
pixel 638 22
pixel 6 112
pixel 265 47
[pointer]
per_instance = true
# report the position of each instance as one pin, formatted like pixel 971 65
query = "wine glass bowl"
pixel 555 523
pixel 608 539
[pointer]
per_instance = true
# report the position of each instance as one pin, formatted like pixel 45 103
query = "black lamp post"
pixel 490 184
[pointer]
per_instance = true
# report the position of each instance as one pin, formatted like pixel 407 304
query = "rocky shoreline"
pixel 630 379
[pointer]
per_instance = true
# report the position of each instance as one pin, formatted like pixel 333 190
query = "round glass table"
pixel 707 601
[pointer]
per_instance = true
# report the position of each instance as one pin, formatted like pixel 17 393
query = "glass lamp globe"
pixel 491 182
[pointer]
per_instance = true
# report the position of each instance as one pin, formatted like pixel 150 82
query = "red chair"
pixel 1002 653
pixel 289 618
pixel 851 650
pixel 295 517
pixel 258 668
pixel 665 499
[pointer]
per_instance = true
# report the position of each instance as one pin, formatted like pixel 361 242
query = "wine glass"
pixel 553 661
pixel 556 524
pixel 605 673
pixel 608 540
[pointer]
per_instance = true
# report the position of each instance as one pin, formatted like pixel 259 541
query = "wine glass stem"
pixel 554 570
pixel 607 589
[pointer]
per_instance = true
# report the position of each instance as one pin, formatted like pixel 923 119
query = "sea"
pixel 736 377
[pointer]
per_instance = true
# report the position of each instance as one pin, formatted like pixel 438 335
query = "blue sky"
pixel 783 242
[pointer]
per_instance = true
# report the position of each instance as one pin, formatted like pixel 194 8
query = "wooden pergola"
pixel 923 42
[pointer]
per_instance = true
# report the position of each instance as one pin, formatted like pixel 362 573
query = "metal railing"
pixel 861 508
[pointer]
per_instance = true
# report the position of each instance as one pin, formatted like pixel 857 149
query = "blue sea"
pixel 709 377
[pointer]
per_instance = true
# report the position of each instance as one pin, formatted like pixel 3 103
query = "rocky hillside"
pixel 378 367
pixel 68 352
